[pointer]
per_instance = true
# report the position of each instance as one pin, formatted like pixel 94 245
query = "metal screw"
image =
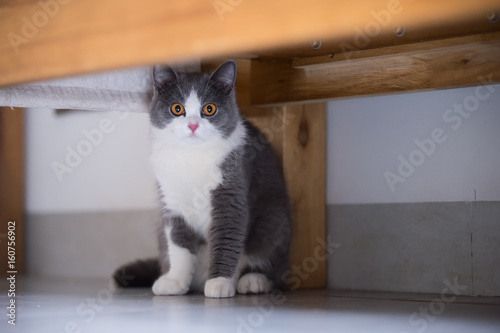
pixel 316 44
pixel 493 17
pixel 399 31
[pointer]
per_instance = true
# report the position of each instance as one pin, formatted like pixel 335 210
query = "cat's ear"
pixel 224 76
pixel 163 75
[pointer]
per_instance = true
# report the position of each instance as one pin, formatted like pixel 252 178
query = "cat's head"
pixel 195 107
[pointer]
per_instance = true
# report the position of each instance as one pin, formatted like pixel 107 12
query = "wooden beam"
pixel 408 49
pixel 463 61
pixel 46 39
pixel 11 185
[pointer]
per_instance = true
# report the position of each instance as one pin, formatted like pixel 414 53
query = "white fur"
pixel 254 283
pixel 219 287
pixel 187 164
pixel 192 104
pixel 182 266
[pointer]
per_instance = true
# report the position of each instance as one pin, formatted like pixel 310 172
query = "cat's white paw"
pixel 219 287
pixel 166 285
pixel 254 283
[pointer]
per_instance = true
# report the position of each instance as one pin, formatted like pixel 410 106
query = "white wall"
pixel 367 136
pixel 114 174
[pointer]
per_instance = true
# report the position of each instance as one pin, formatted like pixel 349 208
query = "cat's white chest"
pixel 186 178
pixel 187 175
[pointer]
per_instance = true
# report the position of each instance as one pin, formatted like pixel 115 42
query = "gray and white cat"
pixel 225 224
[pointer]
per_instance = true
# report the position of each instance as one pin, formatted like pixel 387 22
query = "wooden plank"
pixel 414 69
pixel 72 37
pixel 11 184
pixel 360 40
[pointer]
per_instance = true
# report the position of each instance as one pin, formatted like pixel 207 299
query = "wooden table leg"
pixel 11 186
pixel 298 135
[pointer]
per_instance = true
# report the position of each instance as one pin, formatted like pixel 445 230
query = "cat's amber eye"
pixel 177 109
pixel 209 109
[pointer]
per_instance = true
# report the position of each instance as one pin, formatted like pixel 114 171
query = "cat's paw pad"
pixel 166 285
pixel 219 287
pixel 254 283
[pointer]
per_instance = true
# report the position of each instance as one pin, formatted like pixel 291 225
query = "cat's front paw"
pixel 219 287
pixel 166 285
pixel 254 283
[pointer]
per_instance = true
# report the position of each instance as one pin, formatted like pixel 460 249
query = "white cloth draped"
pixel 127 90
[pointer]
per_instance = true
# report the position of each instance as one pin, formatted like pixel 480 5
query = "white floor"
pixel 92 306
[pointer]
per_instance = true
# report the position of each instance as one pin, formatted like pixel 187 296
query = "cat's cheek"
pixel 181 133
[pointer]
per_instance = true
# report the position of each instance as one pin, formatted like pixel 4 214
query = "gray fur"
pixel 230 215
pixel 251 213
pixel 251 205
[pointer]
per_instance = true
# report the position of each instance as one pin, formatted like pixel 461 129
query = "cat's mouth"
pixel 194 138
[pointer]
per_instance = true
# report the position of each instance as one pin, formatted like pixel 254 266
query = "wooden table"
pixel 292 57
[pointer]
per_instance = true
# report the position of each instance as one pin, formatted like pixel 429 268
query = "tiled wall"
pixel 416 247
pixel 88 245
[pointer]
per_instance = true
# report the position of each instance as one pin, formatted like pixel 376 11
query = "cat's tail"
pixel 140 273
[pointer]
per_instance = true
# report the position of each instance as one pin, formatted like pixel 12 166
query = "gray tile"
pixel 486 248
pixel 400 247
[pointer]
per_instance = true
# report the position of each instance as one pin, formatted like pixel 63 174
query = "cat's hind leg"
pixel 254 283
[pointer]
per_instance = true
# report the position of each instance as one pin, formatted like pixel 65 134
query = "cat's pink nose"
pixel 193 127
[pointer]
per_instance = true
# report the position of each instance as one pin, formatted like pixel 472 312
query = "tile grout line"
pixel 472 244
